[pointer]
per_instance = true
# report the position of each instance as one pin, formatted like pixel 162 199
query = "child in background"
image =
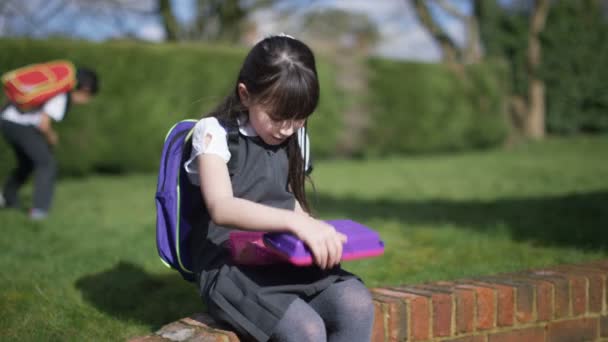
pixel 276 91
pixel 32 137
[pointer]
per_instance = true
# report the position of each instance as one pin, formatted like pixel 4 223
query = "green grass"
pixel 91 271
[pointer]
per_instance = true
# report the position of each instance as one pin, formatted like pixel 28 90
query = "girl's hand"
pixel 322 239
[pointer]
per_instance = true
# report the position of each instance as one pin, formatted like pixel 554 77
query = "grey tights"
pixel 342 312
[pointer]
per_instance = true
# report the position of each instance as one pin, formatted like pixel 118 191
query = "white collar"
pixel 245 127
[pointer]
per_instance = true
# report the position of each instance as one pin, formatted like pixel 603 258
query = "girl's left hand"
pixel 321 238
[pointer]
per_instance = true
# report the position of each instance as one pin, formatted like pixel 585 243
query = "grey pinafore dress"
pixel 253 299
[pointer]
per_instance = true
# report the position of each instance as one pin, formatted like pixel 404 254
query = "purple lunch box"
pixel 363 242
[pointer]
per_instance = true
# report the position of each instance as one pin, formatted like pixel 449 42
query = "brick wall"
pixel 556 304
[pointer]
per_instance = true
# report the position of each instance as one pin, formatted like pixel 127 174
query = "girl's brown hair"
pixel 280 73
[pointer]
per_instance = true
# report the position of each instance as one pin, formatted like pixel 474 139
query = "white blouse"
pixel 218 143
pixel 55 108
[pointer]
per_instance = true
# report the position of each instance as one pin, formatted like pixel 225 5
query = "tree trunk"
pixel 169 22
pixel 534 124
pixel 473 52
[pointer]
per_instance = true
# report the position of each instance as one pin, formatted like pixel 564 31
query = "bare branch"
pixel 451 9
pixel 22 11
pixel 449 50
pixel 60 6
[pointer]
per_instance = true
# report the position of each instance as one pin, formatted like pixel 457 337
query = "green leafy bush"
pixel 575 50
pixel 145 89
pixel 419 108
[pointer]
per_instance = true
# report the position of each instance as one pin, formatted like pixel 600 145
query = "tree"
pixel 36 17
pixel 534 124
pixel 514 34
pixel 575 48
pixel 339 28
pixel 215 20
pixel 451 53
pixel 489 26
pixel 169 22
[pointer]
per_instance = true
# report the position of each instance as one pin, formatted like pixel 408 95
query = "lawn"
pixel 90 272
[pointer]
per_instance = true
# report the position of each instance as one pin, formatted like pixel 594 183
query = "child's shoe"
pixel 38 214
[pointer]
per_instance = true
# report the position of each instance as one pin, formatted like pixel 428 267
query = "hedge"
pixel 423 108
pixel 145 88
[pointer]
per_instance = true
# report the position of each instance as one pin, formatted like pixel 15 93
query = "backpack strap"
pixel 232 135
pixel 304 142
pixel 233 147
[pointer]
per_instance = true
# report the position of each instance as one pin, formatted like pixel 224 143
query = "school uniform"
pixel 250 298
pixel 32 151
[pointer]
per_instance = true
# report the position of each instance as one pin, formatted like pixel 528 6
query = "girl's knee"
pixel 312 329
pixel 357 298
pixel 300 323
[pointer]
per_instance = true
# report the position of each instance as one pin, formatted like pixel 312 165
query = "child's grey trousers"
pixel 33 154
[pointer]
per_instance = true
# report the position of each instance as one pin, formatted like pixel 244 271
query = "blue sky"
pixel 402 36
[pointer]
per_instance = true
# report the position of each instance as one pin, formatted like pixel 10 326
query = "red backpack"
pixel 31 86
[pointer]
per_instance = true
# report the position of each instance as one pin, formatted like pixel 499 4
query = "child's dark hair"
pixel 86 79
pixel 280 73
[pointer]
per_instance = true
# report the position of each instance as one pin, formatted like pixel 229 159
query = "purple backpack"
pixel 173 229
pixel 179 203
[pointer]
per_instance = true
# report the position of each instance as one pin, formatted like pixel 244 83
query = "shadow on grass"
pixel 128 292
pixel 577 220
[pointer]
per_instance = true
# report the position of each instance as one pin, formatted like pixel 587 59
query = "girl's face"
pixel 271 130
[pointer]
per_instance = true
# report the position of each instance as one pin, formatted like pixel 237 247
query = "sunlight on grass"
pixel 91 272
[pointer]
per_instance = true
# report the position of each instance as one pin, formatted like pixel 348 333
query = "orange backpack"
pixel 31 86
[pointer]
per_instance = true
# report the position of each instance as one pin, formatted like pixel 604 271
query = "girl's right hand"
pixel 322 239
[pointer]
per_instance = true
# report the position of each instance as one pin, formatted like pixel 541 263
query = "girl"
pixel 276 91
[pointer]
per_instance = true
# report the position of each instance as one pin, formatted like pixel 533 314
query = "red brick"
pixel 561 290
pixel 561 295
pixel 485 305
pixel 578 286
pixel 397 321
pixel 596 292
pixel 478 338
pixel 524 295
pixel 603 326
pixel 209 328
pixel 442 315
pixel 519 335
pixel 465 310
pixel 601 264
pixel 544 301
pixel 602 272
pixel 380 316
pixel 544 295
pixel 604 291
pixel 581 329
pixel 505 303
pixel 177 328
pixel 595 282
pixel 525 303
pixel 439 301
pixel 601 267
pixel 393 311
pixel 149 338
pixel 465 304
pixel 419 310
